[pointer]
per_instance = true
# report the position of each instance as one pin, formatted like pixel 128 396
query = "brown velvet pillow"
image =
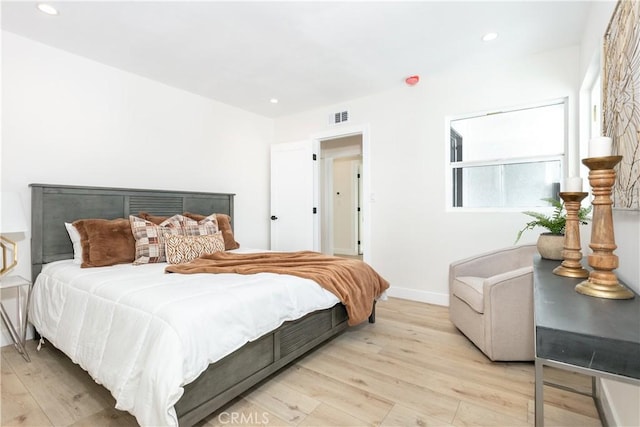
pixel 224 225
pixel 153 218
pixel 105 242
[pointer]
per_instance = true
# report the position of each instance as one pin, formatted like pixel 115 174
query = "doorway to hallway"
pixel 341 178
pixel 302 193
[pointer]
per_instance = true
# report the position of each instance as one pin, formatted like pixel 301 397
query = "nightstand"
pixel 18 336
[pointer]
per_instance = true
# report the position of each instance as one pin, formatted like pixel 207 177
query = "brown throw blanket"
pixel 354 282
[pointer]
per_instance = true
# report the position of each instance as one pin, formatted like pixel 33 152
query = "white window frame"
pixel 450 166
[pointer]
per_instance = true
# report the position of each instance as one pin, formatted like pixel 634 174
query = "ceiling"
pixel 305 53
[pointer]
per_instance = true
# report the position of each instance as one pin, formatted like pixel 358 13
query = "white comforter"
pixel 144 334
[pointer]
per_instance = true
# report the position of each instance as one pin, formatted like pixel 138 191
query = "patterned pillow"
pixel 180 249
pixel 192 227
pixel 224 225
pixel 150 237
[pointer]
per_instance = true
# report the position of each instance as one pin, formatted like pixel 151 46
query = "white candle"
pixel 600 146
pixel 573 184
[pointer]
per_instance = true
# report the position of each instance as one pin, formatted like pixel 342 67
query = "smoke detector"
pixel 412 80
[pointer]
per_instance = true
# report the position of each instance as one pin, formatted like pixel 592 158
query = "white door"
pixel 294 196
pixel 345 206
pixel 360 208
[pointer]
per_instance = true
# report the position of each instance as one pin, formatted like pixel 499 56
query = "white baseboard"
pixel 420 296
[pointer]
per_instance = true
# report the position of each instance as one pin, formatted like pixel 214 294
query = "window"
pixel 509 159
pixel 596 109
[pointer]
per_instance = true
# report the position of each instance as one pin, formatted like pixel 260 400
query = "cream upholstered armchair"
pixel 491 301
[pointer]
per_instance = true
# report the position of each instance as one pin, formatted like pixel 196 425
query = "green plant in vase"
pixel 555 224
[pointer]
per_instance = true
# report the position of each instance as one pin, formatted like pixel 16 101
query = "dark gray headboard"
pixel 53 205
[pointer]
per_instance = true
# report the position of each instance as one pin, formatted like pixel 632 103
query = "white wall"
pixel 414 238
pixel 70 120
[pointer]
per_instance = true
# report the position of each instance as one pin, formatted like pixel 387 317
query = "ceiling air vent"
pixel 339 117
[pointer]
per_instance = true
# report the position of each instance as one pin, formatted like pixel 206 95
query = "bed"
pixel 226 377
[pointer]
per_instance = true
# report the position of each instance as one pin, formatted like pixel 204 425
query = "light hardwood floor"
pixel 410 368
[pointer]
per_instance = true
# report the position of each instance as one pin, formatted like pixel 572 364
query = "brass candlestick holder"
pixel 571 265
pixel 602 281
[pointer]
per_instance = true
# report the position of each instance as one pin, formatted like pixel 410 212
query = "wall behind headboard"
pixel 70 120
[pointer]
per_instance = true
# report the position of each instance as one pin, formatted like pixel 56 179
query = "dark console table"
pixel 594 336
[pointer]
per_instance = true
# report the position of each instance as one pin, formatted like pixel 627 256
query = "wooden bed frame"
pixel 53 205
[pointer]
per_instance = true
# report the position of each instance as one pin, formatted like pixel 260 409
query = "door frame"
pixel 368 196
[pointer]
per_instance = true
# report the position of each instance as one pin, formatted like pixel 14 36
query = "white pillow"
pixel 75 239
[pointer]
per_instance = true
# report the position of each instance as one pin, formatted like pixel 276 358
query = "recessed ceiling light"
pixel 47 8
pixel 489 36
pixel 273 100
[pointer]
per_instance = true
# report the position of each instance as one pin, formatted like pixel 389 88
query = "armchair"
pixel 491 301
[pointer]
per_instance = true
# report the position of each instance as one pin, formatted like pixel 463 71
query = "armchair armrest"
pixel 511 291
pixel 508 315
pixel 508 278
